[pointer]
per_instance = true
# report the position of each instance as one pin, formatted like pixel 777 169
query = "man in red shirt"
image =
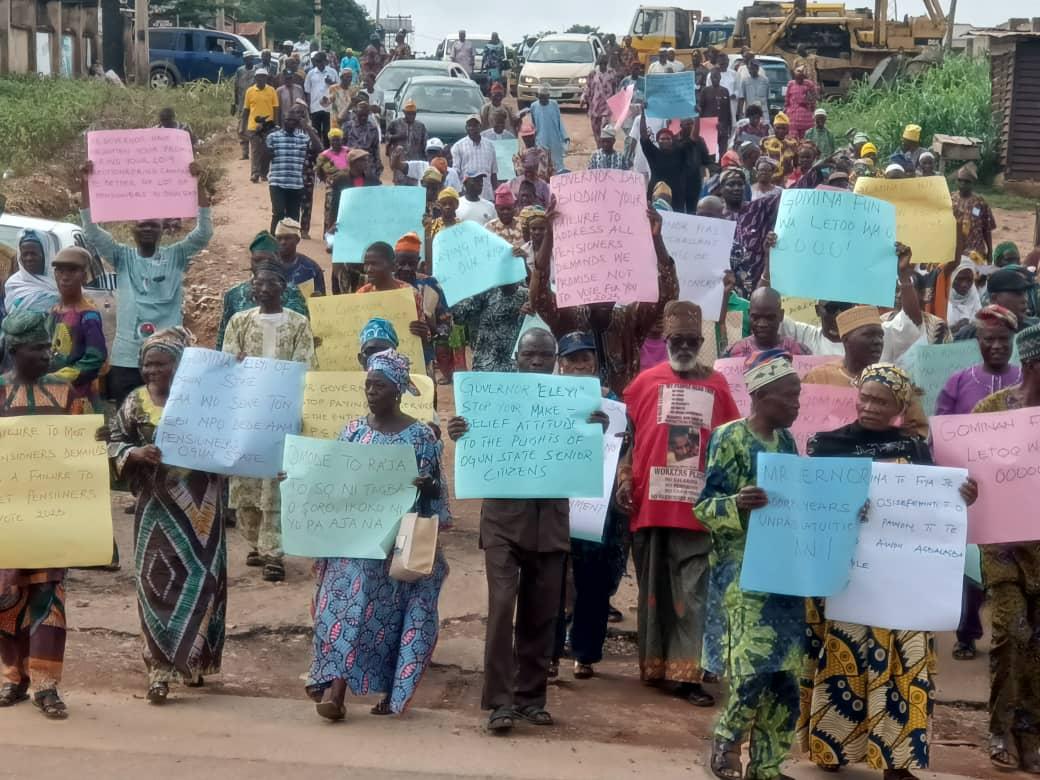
pixel 673 408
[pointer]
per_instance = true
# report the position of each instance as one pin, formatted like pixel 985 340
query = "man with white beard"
pixel 673 408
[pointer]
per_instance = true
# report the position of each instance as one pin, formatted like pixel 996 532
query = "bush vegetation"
pixel 952 98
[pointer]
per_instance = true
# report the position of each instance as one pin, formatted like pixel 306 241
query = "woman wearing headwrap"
pixel 754 219
pixel 752 640
pixel 333 159
pixel 32 601
pixel 800 102
pixel 178 526
pixel 31 287
pixel 530 154
pixel 975 222
pixel 781 146
pixel 357 174
pixel 870 696
pixel 926 164
pixel 78 339
pixel 765 170
pixel 964 301
pixel 374 634
pixel 268 331
pixel 1012 579
pixel 804 159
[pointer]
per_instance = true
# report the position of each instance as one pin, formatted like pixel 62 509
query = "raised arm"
pixel 97 236
pixel 646 315
pixel 541 298
pixel 908 300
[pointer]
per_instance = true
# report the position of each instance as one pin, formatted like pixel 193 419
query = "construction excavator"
pixel 843 44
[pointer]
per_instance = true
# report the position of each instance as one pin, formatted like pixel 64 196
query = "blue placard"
pixel 371 214
pixel 504 150
pixel 671 95
pixel 835 246
pixel 231 417
pixel 528 436
pixel 802 542
pixel 469 259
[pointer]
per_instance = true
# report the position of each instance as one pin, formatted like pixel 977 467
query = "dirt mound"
pixel 42 194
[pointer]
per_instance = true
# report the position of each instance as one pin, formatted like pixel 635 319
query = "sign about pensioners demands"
pixel 1001 451
pixel 230 417
pixel 55 510
pixel 835 246
pixel 602 248
pixel 801 542
pixel 528 436
pixel 141 174
pixel 345 499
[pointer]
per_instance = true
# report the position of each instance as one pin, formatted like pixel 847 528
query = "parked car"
pixel 396 73
pixel 776 70
pixel 57 236
pixel 562 63
pixel 479 41
pixel 444 104
pixel 180 54
pixel 521 51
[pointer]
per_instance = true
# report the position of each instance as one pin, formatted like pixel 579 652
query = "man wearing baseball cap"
pixel 472 206
pixel 1007 287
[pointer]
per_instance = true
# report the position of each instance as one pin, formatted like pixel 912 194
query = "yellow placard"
pixel 924 214
pixel 306 288
pixel 332 398
pixel 55 510
pixel 800 310
pixel 338 319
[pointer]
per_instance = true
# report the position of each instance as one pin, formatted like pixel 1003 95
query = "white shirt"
pixel 900 334
pixel 480 211
pixel 677 67
pixel 661 67
pixel 269 324
pixel 316 88
pixel 728 79
pixel 639 161
pixel 416 169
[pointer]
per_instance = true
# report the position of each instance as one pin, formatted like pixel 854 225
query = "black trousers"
pixel 970 628
pixel 321 122
pixel 284 203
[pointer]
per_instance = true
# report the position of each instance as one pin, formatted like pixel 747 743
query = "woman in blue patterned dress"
pixel 372 633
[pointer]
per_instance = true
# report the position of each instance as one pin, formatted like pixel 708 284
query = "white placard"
pixel 588 515
pixel 908 568
pixel 701 249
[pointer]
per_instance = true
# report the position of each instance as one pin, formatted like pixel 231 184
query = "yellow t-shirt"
pixel 261 102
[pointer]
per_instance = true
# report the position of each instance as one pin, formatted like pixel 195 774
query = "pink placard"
pixel 620 103
pixel 823 407
pixel 603 251
pixel 1001 451
pixel 708 129
pixel 141 174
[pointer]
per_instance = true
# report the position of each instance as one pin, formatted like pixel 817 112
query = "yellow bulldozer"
pixel 845 44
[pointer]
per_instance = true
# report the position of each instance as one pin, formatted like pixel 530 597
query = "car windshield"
pixel 777 73
pixel 561 51
pixel 445 99
pixel 393 77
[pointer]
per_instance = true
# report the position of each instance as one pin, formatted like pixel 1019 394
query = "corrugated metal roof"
pixel 994 32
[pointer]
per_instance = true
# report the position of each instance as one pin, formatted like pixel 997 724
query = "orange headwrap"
pixel 409 242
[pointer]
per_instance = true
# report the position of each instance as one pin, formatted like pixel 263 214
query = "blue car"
pixel 180 54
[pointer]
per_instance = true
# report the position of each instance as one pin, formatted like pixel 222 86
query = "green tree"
pixel 286 19
pixel 582 29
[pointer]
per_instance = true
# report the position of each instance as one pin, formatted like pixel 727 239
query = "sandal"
pixel 536 714
pixel 554 670
pixel 501 720
pixel 157 692
pixel 331 706
pixel 199 682
pixel 583 671
pixel 383 708
pixel 725 760
pixel 695 695
pixel 11 694
pixel 274 571
pixel 255 559
pixel 1003 752
pixel 50 704
pixel 614 614
pixel 964 651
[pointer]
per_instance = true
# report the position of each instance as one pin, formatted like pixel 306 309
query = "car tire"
pixel 162 78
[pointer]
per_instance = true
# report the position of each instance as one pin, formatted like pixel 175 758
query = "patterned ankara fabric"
pixel 374 632
pixel 180 559
pixel 79 351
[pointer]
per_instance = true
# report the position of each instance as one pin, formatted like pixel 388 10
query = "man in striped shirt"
pixel 287 149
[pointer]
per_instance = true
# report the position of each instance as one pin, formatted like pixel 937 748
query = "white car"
pixel 57 236
pixel 562 63
pixel 479 41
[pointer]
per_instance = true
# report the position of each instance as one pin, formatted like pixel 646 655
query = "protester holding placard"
pixel 673 409
pixel 766 314
pixel 178 522
pixel 619 331
pixel 887 673
pixel 493 320
pixel 150 279
pixel 754 221
pixel 32 601
pixel 268 331
pixel 525 543
pixel 1011 575
pixel 263 248
pixel 372 633
pixel 995 327
pixel 678 166
pixel 754 640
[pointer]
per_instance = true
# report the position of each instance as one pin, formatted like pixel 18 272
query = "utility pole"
pixel 949 26
pixel 317 23
pixel 141 53
pixel 221 20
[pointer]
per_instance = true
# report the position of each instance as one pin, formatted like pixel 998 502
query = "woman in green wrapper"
pixel 178 527
pixel 754 640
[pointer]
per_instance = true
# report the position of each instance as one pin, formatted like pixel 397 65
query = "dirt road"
pixel 254 721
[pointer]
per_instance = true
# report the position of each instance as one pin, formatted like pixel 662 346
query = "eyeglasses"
pixel 685 341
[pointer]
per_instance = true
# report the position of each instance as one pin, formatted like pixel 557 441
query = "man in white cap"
pixel 820 135
pixel 410 172
pixel 473 153
pixel 472 206
pixel 259 105
pixel 605 156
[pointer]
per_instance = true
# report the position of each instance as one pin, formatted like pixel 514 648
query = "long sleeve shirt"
pixel 151 289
